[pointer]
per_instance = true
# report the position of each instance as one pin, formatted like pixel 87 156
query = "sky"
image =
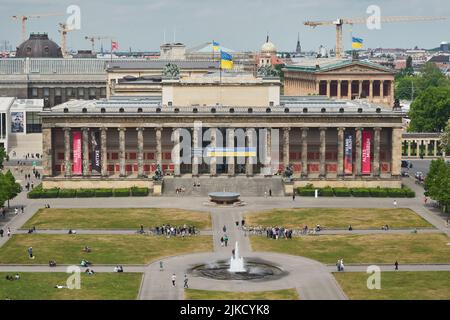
pixel 235 24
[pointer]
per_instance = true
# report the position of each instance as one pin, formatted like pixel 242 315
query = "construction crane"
pixel 341 21
pixel 23 19
pixel 63 29
pixel 93 38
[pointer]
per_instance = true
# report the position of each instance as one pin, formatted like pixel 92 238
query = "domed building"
pixel 267 54
pixel 38 46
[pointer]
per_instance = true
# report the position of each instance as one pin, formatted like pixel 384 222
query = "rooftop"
pixel 160 64
pixel 325 64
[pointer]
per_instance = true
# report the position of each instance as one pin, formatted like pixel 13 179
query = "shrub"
pixel 326 192
pixel 139 192
pixel 50 193
pixel 342 192
pixel 409 193
pixel 35 193
pixel 67 193
pixel 306 192
pixel 85 193
pixel 122 192
pixel 396 193
pixel 360 192
pixel 378 192
pixel 103 192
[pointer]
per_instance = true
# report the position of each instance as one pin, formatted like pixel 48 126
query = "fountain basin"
pixel 256 269
pixel 224 197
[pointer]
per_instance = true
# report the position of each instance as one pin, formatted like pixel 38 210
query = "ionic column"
pixel 140 155
pixel 67 150
pixel 213 160
pixel 426 147
pixel 158 133
pixel 396 151
pixel 47 152
pixel 268 165
pixel 249 160
pixel 104 156
pixel 371 89
pixel 85 151
pixel 418 146
pixel 328 88
pixel 391 90
pixel 304 152
pixel 286 147
pixel 435 148
pixel 349 91
pixel 339 95
pixel 176 152
pixel 382 89
pixel 340 156
pixel 230 148
pixel 360 84
pixel 122 152
pixel 322 168
pixel 409 148
pixel 195 146
pixel 358 150
pixel 376 152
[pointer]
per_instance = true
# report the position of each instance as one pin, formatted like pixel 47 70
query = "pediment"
pixel 357 68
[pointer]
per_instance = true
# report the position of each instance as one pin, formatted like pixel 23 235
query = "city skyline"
pixel 142 25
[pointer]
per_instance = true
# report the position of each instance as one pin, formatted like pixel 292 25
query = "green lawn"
pixel 41 286
pixel 116 218
pixel 288 294
pixel 434 285
pixel 378 248
pixel 106 249
pixel 359 218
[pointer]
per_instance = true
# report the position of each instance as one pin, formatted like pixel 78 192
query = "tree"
pixel 432 76
pixel 437 183
pixel 9 188
pixel 3 156
pixel 430 111
pixel 445 139
pixel 406 87
pixel 409 65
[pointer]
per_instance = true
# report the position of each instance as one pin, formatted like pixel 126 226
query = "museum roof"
pixel 327 64
pixel 160 64
pixel 153 106
pixel 51 66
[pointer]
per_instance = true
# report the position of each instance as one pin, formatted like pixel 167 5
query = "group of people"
pixel 8 232
pixel 278 232
pixel 174 279
pixel 12 278
pixel 180 190
pixel 168 230
pixel 118 269
pixel 340 265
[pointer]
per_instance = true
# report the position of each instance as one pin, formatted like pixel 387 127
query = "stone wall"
pixel 62 183
pixel 391 183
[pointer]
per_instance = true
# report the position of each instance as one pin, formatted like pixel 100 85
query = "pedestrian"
pixel 22 209
pixel 270 192
pixel 174 278
pixel 8 232
pixel 186 282
pixel 30 252
pixel 396 265
pixel 242 222
pixel 265 194
pixel 32 185
pixel 224 228
pixel 293 196
pixel 225 239
pixel 161 268
pixel 237 223
pixel 1 233
pixel 350 228
pixel 395 203
pixel 221 241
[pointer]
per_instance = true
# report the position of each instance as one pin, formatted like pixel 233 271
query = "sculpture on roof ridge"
pixel 268 71
pixel 171 70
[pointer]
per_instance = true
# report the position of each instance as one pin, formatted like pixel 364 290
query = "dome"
pixel 38 46
pixel 268 47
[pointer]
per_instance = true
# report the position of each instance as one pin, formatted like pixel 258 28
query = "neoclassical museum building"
pixel 220 127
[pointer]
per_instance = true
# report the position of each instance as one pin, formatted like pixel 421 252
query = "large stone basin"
pixel 224 197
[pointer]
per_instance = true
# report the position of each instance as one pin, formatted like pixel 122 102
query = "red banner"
pixel 77 161
pixel 366 147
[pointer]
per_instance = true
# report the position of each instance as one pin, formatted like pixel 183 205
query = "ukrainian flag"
pixel 357 43
pixel 216 46
pixel 226 60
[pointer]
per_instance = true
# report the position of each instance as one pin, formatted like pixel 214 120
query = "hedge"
pixel 306 192
pixel 379 193
pixel 67 193
pixel 35 193
pixel 122 192
pixel 342 192
pixel 50 193
pixel 326 192
pixel 103 192
pixel 360 192
pixel 85 193
pixel 139 192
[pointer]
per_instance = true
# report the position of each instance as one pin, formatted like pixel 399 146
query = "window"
pixel 46 92
pixel 34 123
pixel 57 92
pixel 80 92
pixel 103 92
pixel 92 93
pixel 169 103
pixel 69 92
pixel 34 92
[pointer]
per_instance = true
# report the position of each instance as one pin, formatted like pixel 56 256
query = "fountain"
pixel 236 261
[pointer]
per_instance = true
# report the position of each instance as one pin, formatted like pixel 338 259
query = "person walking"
pixel 161 267
pixel 174 278
pixel 396 265
pixel 225 239
pixel 8 232
pixel 16 211
pixel 1 233
pixel 293 196
pixel 270 192
pixel 224 229
pixel 221 241
pixel 186 282
pixel 395 203
pixel 22 209
pixel 30 252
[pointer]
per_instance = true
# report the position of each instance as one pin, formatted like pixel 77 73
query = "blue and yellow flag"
pixel 226 60
pixel 357 43
pixel 216 46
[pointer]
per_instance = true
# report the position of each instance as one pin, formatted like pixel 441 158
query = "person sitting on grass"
pixel 87 249
pixel 17 276
pixel 89 271
pixel 52 263
pixel 85 263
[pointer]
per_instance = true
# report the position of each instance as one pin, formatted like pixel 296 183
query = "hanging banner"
pixel 17 122
pixel 348 149
pixel 96 153
pixel 77 161
pixel 365 152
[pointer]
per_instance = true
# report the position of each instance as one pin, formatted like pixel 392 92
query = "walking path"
pixel 311 279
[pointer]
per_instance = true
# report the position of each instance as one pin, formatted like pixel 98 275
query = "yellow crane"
pixel 341 21
pixel 92 39
pixel 24 18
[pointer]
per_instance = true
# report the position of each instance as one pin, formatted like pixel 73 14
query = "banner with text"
pixel 365 156
pixel 96 155
pixel 77 161
pixel 348 149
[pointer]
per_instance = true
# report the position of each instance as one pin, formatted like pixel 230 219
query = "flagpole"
pixel 111 51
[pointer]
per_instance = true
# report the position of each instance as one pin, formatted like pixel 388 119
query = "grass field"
pixel 106 249
pixel 359 218
pixel 288 294
pixel 41 286
pixel 378 248
pixel 116 218
pixel 397 285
